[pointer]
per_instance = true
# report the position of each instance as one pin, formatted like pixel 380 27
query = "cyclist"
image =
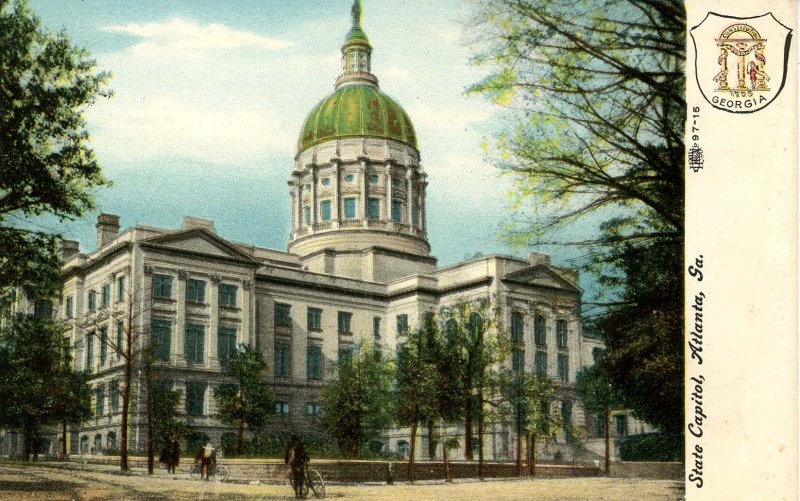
pixel 207 456
pixel 297 459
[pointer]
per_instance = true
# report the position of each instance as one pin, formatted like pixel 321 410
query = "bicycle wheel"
pixel 222 472
pixel 316 483
pixel 194 471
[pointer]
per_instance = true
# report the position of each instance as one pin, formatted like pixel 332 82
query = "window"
pixel 89 350
pixel 162 286
pixel 314 362
pixel 344 322
pixel 517 360
pixel 414 214
pixel 621 425
pixel 599 426
pixel 98 444
pixel 111 440
pixel 114 386
pixel 105 295
pixel 427 320
pixel 283 315
pixel 325 210
pixel 475 325
pixel 561 333
pixel 539 330
pixel 70 307
pixel 313 409
pixel 195 291
pixel 307 214
pixel 566 419
pixel 374 178
pixel 227 295
pixel 120 332
pixel 282 358
pixel 100 400
pixel 345 355
pixel 563 367
pixel 120 288
pixel 91 301
pixel 349 208
pixel 103 344
pixel 402 324
pixel 374 208
pixel 350 178
pixel 540 363
pixel 42 308
pixel 326 181
pixel 195 397
pixel 397 210
pixel 226 345
pixel 193 344
pixel 314 319
pixel 161 332
pixel 282 408
pixel 516 326
pixel 376 328
pixel 597 354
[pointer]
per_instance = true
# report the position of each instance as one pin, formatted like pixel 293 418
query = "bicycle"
pixel 215 469
pixel 313 481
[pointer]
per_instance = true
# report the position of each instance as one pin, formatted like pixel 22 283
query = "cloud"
pixel 180 34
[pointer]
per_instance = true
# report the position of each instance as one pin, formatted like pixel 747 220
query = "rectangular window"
pixel 566 420
pixel 376 328
pixel 282 408
pixel 314 319
pixel 345 354
pixel 120 288
pixel 314 362
pixel 374 208
pixel 103 345
pixel 563 368
pixel 120 333
pixel 91 301
pixel 539 330
pixel 325 210
pixel 194 344
pixel 313 409
pixel 105 295
pixel 195 291
pixel 226 345
pixel 114 386
pixel 161 332
pixel 100 400
pixel 349 208
pixel 402 324
pixel 283 315
pixel 621 425
pixel 517 360
pixel 516 326
pixel 307 215
pixel 70 307
pixel 540 363
pixel 162 286
pixel 397 210
pixel 282 358
pixel 344 322
pixel 195 397
pixel 561 333
pixel 227 295
pixel 89 351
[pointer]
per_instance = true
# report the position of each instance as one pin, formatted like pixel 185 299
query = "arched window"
pixel 98 443
pixel 85 444
pixel 402 448
pixel 111 440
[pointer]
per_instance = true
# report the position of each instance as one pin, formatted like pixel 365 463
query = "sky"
pixel 209 99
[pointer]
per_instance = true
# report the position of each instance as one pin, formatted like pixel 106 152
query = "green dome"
pixel 353 111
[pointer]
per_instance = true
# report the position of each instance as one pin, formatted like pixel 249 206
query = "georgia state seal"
pixel 741 62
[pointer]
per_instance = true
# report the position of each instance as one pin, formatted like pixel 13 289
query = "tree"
pixel 597 395
pixel 247 402
pixel 357 404
pixel 595 91
pixel 46 165
pixel 165 402
pixel 37 385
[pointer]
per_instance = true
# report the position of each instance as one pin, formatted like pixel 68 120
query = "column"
pixel 213 324
pixel 362 176
pixel 176 344
pixel 297 202
pixel 247 334
pixel 388 185
pixel 422 185
pixel 337 195
pixel 313 204
pixel 409 195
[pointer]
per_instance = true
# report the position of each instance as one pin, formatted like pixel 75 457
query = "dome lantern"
pixel 356 54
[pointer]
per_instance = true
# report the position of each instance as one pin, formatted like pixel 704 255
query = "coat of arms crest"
pixel 741 62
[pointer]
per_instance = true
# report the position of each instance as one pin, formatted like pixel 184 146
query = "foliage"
pixel 595 92
pixel 165 403
pixel 37 385
pixel 594 389
pixel 651 447
pixel 46 165
pixel 247 402
pixel 358 404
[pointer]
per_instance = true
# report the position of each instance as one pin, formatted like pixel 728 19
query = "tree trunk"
pixel 411 450
pixel 126 401
pixel 27 440
pixel 607 418
pixel 444 454
pixel 240 430
pixel 528 451
pixel 149 405
pixel 480 431
pixel 519 443
pixel 533 454
pixel 431 441
pixel 468 425
pixel 64 439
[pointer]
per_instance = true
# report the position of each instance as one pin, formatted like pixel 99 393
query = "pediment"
pixel 199 241
pixel 541 276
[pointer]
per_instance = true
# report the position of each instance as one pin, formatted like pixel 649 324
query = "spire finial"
pixel 355 13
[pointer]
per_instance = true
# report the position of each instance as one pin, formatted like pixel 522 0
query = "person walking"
pixel 207 456
pixel 297 458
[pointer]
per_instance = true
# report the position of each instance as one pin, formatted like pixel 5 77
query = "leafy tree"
pixel 46 165
pixel 165 402
pixel 247 402
pixel 598 396
pixel 37 385
pixel 357 403
pixel 595 93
